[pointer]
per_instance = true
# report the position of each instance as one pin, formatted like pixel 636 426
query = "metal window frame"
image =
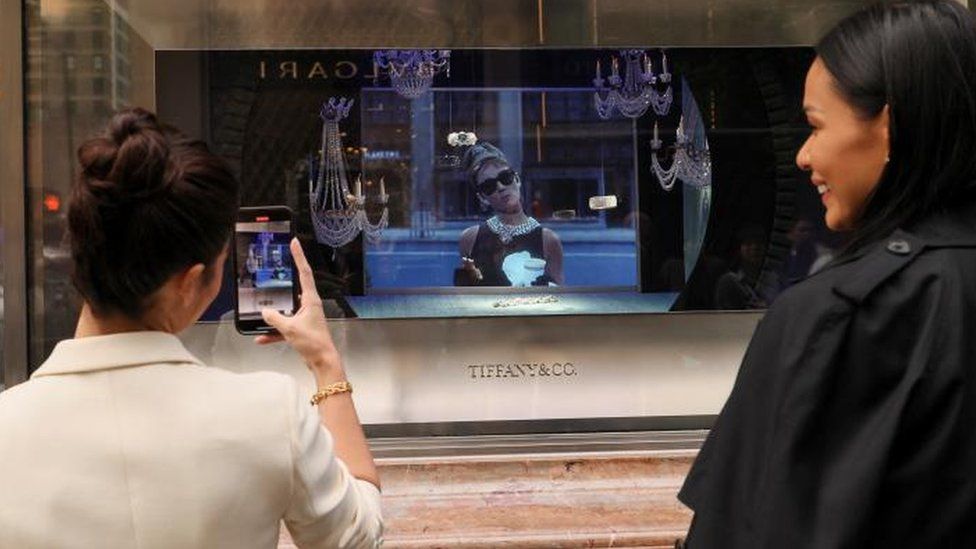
pixel 13 188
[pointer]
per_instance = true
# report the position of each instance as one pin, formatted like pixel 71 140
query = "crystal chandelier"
pixel 691 164
pixel 338 215
pixel 637 90
pixel 411 71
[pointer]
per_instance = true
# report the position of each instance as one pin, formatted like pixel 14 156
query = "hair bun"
pixel 128 162
pixel 149 203
pixel 476 156
pixel 130 122
pixel 96 157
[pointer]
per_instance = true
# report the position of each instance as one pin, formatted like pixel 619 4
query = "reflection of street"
pixel 60 301
pixel 252 300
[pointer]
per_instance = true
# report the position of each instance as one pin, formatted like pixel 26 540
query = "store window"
pixel 664 170
pixel 664 197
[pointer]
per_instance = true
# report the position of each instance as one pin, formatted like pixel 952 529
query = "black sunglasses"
pixel 489 186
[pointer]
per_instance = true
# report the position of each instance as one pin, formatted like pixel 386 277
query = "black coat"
pixel 852 422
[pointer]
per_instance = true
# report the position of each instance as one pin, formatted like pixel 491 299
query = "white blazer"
pixel 129 441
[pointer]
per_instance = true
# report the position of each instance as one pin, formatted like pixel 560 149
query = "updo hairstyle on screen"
pixel 479 155
pixel 149 203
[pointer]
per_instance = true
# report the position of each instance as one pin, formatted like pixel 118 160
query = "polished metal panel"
pixel 13 274
pixel 509 375
pixel 255 24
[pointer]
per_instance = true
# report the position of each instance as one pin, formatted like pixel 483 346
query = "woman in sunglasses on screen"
pixel 510 248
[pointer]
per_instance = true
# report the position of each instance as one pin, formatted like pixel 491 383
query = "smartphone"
pixel 264 270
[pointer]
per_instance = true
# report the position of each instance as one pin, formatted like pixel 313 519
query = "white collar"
pixel 124 350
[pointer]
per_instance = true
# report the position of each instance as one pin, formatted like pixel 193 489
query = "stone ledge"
pixel 623 499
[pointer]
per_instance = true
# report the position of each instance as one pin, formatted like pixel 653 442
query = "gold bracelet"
pixel 329 390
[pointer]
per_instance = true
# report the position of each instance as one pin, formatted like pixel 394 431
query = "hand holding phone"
pixel 307 330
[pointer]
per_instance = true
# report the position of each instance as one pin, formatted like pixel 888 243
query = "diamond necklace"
pixel 507 232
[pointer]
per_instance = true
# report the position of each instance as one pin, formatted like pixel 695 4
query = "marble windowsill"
pixel 571 499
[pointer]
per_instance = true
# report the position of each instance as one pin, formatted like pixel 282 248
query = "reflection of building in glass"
pixel 79 58
pixel 77 72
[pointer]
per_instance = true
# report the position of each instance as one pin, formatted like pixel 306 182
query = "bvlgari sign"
pixel 312 70
pixel 522 370
pixel 308 68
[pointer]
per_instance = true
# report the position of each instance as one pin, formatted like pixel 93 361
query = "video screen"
pixel 264 273
pixel 494 218
pixel 504 182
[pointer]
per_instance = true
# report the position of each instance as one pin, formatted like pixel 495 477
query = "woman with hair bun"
pixel 122 438
pixel 853 419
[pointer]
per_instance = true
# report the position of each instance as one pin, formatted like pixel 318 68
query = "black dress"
pixel 488 253
pixel 852 422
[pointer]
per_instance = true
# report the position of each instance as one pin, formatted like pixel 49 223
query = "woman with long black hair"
pixel 853 419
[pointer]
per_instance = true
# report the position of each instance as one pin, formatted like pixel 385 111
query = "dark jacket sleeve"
pixel 799 454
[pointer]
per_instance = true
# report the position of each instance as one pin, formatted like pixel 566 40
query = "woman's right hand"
pixel 468 265
pixel 307 330
pixel 308 333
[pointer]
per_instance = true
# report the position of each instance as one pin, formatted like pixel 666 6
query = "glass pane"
pixel 83 62
pixel 646 180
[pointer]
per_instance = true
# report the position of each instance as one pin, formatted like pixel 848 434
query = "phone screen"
pixel 264 268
